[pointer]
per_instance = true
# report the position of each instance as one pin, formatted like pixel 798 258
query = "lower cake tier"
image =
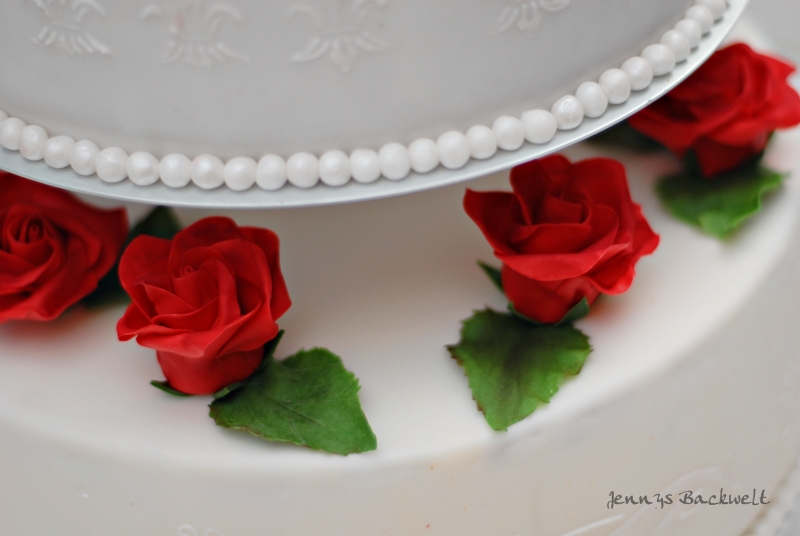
pixel 693 385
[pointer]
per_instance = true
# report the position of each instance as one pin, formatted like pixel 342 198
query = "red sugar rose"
pixel 206 301
pixel 53 250
pixel 567 232
pixel 726 111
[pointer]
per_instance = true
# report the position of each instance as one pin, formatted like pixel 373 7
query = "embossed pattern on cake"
pixel 329 90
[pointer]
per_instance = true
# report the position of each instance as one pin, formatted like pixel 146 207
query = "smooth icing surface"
pixel 693 384
pixel 575 122
pixel 346 31
pixel 247 77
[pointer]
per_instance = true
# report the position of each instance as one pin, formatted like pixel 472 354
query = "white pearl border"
pixel 394 161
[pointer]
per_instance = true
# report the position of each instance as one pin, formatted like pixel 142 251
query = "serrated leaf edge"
pixel 761 194
pixel 214 411
pixel 451 348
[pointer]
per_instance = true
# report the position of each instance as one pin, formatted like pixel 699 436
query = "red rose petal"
pixel 270 245
pixel 207 301
pixel 165 302
pixel 549 262
pixel 546 302
pixel 554 238
pixel 556 210
pixel 207 376
pixel 490 212
pixel 133 320
pixel 53 248
pixel 202 320
pixel 726 111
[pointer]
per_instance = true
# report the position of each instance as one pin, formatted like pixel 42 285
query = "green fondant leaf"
pixel 577 312
pixel 493 274
pixel 161 223
pixel 167 388
pixel 623 135
pixel 580 310
pixel 308 399
pixel 109 291
pixel 720 205
pixel 692 164
pixel 225 391
pixel 513 366
pixel 270 347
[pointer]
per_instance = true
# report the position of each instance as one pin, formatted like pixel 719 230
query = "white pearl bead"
pixel 568 112
pixel 540 126
pixel 510 133
pixel 424 155
pixel 11 133
pixel 482 142
pixel 32 142
pixel 395 161
pixel 593 99
pixel 639 72
pixel 112 165
pixel 240 173
pixel 660 57
pixel 83 157
pixel 334 168
pixel 678 43
pixel 3 116
pixel 702 16
pixel 56 151
pixel 143 168
pixel 208 172
pixel 365 165
pixel 691 29
pixel 716 7
pixel 271 173
pixel 175 170
pixel 616 85
pixel 303 170
pixel 453 149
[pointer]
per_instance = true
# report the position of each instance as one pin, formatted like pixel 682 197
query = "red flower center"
pixel 31 231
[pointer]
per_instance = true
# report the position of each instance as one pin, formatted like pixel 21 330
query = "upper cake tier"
pixel 302 78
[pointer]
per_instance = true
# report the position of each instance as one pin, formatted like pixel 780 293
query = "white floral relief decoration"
pixel 343 31
pixel 64 26
pixel 526 15
pixel 193 28
pixel 189 530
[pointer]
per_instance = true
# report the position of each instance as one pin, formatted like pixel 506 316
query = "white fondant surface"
pixel 694 384
pixel 194 26
pixel 140 97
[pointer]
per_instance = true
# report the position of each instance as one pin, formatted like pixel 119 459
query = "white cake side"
pixel 693 384
pixel 445 65
pixel 462 76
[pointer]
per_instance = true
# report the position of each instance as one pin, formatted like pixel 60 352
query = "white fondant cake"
pixel 692 386
pixel 328 90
